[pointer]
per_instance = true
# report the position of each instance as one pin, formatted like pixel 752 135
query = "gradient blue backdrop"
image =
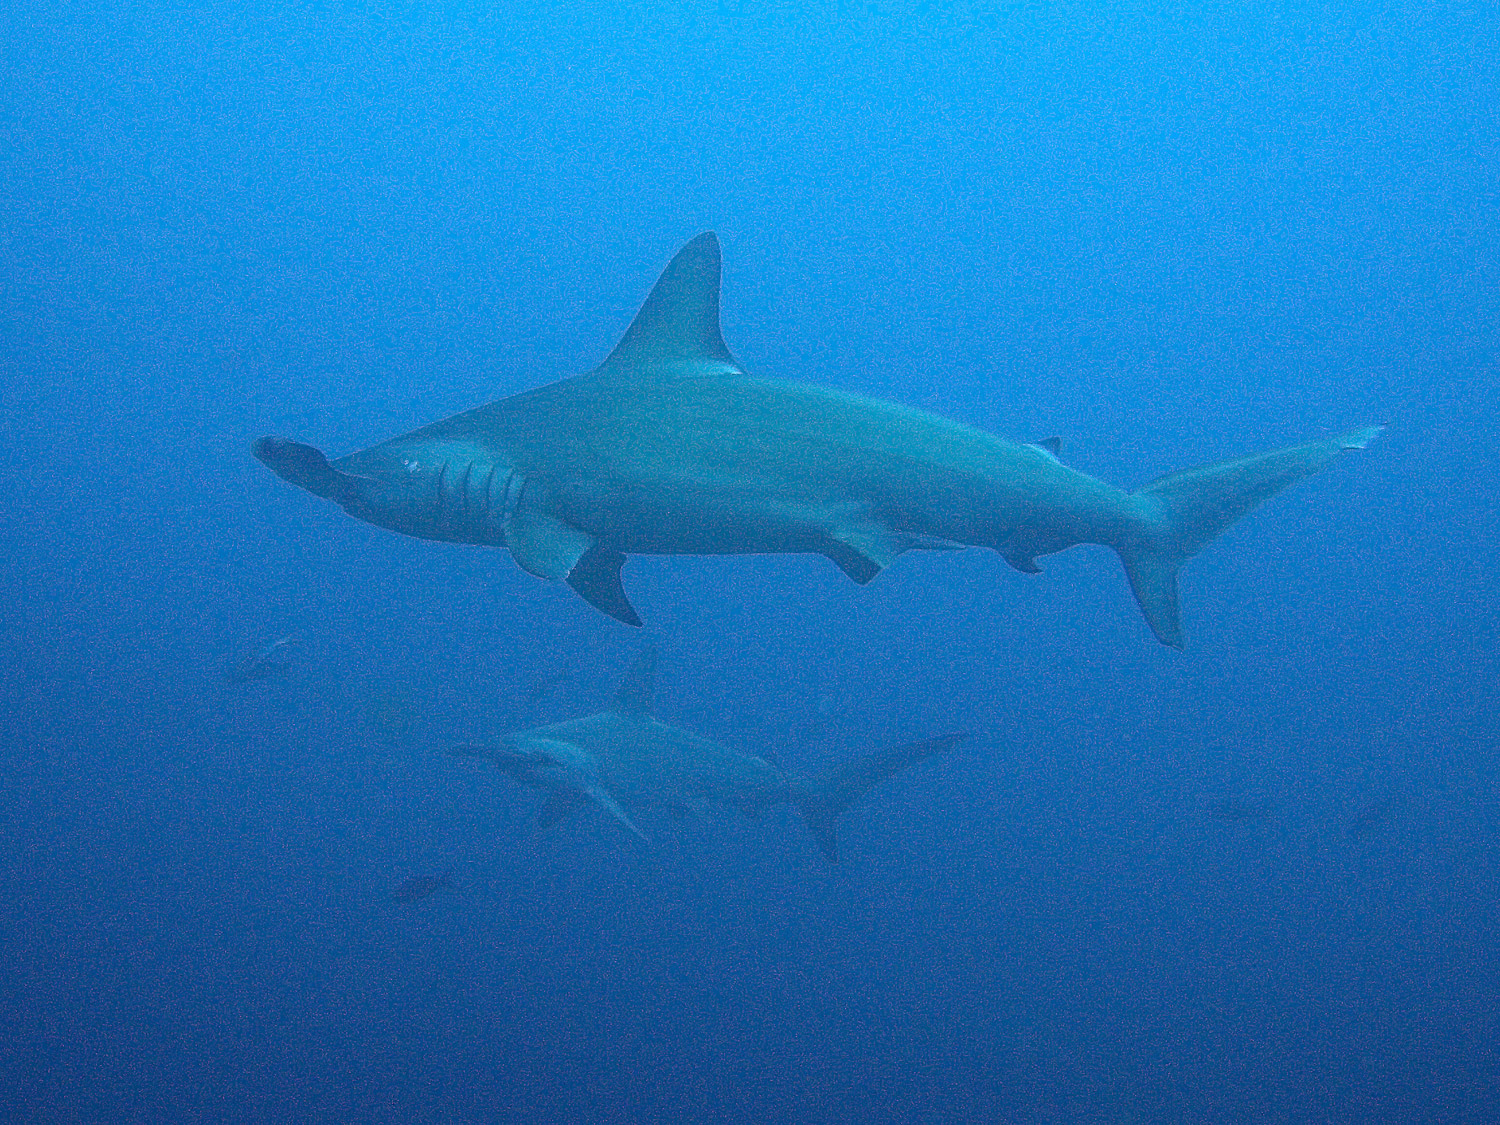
pixel 1167 233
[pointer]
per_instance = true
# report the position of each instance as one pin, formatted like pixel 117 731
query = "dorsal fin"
pixel 678 326
pixel 634 695
pixel 1051 446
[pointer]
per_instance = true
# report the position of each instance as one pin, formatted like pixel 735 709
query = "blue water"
pixel 1168 236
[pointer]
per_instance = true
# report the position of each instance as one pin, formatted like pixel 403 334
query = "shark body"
pixel 670 447
pixel 623 759
pixel 265 663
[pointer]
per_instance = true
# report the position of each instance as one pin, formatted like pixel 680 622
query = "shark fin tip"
pixel 1361 438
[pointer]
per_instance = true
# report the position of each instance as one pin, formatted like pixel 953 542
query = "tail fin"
pixel 1193 506
pixel 822 798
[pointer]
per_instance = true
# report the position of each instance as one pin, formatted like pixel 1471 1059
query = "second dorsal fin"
pixel 677 329
pixel 1051 446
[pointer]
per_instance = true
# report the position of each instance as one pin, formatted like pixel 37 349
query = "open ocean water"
pixel 1257 880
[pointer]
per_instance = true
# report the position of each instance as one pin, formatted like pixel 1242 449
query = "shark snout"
pixel 301 465
pixel 524 763
pixel 516 761
pixel 511 753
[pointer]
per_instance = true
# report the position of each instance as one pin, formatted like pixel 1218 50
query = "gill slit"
pixel 489 484
pixel 464 491
pixel 437 498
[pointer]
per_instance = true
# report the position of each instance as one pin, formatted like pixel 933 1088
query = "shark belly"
pixel 748 466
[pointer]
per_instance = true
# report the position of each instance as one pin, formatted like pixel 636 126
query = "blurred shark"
pixel 418 887
pixel 1232 809
pixel 623 758
pixel 545 684
pixel 1371 815
pixel 669 447
pixel 263 664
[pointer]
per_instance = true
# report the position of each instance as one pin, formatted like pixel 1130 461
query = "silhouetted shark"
pixel 418 887
pixel 669 447
pixel 1371 815
pixel 264 663
pixel 1241 808
pixel 623 758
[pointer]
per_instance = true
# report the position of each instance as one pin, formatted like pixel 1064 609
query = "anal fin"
pixel 1023 562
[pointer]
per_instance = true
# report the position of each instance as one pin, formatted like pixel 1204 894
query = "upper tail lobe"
pixel 1187 509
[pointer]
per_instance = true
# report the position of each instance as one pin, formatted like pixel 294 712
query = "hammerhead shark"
pixel 624 758
pixel 670 447
pixel 264 663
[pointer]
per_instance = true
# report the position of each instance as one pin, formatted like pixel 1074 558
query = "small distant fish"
pixel 1371 816
pixel 1240 808
pixel 544 685
pixel 390 709
pixel 264 664
pixel 418 887
pixel 817 720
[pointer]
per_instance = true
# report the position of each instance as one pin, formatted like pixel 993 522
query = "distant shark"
pixel 264 663
pixel 623 758
pixel 669 447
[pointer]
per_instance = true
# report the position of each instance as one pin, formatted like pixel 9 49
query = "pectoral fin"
pixel 561 803
pixel 544 545
pixel 611 806
pixel 853 562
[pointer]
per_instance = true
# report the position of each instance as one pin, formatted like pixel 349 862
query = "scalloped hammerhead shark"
pixel 670 447
pixel 624 758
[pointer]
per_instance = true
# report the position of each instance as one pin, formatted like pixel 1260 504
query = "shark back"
pixel 642 760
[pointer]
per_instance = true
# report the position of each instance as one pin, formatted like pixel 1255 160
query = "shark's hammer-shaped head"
pixel 568 773
pixel 462 480
pixel 546 763
pixel 453 490
pixel 303 466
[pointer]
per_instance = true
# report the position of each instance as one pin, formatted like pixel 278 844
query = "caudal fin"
pixel 1187 509
pixel 822 798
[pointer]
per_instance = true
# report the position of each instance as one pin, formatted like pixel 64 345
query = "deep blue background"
pixel 1167 235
